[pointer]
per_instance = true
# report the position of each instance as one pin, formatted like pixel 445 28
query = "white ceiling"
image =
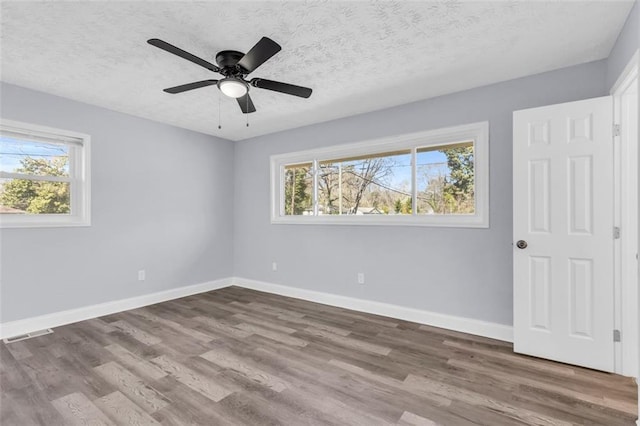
pixel 356 56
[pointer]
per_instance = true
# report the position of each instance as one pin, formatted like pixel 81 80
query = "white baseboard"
pixel 56 319
pixel 464 325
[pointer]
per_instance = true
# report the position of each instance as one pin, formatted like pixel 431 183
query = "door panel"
pixel 563 209
pixel 580 191
pixel 539 184
pixel 540 279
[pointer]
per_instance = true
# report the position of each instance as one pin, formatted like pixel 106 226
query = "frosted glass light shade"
pixel 233 87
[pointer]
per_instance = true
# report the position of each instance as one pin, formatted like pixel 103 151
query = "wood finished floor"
pixel 241 357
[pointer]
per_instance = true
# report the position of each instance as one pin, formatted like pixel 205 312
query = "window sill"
pixel 43 222
pixel 461 221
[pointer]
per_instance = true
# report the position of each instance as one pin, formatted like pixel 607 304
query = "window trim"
pixel 79 178
pixel 477 132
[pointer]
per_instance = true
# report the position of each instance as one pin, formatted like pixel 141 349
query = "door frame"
pixel 626 184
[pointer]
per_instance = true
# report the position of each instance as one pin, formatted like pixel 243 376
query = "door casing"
pixel 627 297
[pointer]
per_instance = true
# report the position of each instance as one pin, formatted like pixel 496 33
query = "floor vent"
pixel 28 335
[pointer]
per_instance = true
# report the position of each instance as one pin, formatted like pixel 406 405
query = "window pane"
pixel 33 158
pixel 375 184
pixel 298 189
pixel 446 179
pixel 22 196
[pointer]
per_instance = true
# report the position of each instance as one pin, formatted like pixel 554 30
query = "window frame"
pixel 79 177
pixel 476 132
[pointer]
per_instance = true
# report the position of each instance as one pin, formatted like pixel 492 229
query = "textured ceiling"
pixel 356 56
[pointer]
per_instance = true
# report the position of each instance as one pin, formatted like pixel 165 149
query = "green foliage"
pixel 451 192
pixel 403 207
pixel 460 162
pixel 407 207
pixel 328 188
pixel 397 207
pixel 38 196
pixel 297 197
pixel 458 188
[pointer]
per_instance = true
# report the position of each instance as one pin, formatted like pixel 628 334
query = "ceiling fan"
pixel 234 67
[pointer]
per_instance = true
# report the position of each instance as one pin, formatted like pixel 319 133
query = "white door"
pixel 563 213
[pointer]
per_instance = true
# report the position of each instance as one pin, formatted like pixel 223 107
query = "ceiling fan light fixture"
pixel 233 87
pixel 234 66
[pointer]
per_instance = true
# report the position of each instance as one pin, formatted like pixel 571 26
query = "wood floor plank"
pixel 206 386
pixel 136 333
pixel 273 335
pixel 135 363
pixel 8 415
pixel 539 364
pixel 180 342
pixel 19 350
pixel 236 357
pixel 304 397
pixel 274 310
pixel 12 376
pixel 132 345
pixel 411 419
pixel 28 406
pixel 100 325
pixel 628 407
pixel 419 384
pixel 271 324
pixel 76 409
pixel 123 411
pixel 321 378
pixel 576 413
pixel 60 376
pixel 223 327
pixel 349 342
pixel 89 351
pixel 143 394
pixel 315 324
pixel 198 335
pixel 432 397
pixel 226 359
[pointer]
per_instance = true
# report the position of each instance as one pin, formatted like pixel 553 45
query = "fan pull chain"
pixel 219 114
pixel 247 114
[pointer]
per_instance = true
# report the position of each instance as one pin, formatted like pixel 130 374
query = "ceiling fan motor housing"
pixel 227 60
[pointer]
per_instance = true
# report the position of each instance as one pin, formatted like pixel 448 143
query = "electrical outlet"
pixel 142 275
pixel 274 266
pixel 360 277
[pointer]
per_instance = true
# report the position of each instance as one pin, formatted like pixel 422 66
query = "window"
pixel 433 178
pixel 298 182
pixel 44 176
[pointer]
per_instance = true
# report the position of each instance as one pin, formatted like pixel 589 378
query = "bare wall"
pixel 456 271
pixel 627 43
pixel 161 201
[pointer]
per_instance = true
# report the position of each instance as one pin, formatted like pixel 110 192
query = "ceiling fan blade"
pixel 182 53
pixel 276 86
pixel 246 104
pixel 258 55
pixel 190 86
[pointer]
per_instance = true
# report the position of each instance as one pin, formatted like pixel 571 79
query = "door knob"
pixel 521 244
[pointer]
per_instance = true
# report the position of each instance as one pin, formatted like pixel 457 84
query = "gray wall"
pixel 161 201
pixel 463 272
pixel 627 43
